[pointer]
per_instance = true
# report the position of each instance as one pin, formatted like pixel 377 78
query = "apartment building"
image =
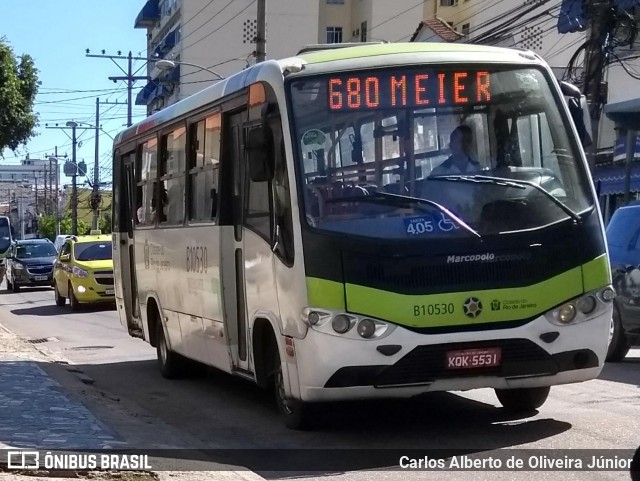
pixel 529 24
pixel 216 35
pixel 346 21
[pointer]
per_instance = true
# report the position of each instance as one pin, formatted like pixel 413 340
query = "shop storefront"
pixel 610 179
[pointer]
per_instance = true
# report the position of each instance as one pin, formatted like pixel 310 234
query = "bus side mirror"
pixel 579 110
pixel 260 154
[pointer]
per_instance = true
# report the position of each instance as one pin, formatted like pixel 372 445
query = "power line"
pixel 397 15
pixel 206 22
pixel 72 91
pixel 221 26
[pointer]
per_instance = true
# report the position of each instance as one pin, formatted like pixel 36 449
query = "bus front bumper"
pixel 536 354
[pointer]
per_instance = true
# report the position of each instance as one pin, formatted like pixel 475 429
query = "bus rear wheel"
pixel 170 363
pixel 523 400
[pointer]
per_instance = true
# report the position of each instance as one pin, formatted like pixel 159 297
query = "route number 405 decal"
pixel 415 226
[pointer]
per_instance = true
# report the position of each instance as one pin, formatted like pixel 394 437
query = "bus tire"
pixel 523 400
pixel 15 287
pixel 618 343
pixel 9 286
pixel 170 364
pixel 60 301
pixel 295 414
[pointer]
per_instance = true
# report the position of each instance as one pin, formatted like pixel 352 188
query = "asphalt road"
pixel 217 411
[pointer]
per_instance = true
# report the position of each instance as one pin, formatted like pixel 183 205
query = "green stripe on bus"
pixel 388 49
pixel 596 273
pixel 324 293
pixel 465 308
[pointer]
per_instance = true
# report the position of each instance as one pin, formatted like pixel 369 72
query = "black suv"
pixel 30 263
pixel 623 239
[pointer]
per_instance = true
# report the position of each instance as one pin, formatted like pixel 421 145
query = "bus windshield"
pixel 93 251
pixel 435 151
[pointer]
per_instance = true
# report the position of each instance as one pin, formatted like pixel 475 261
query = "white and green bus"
pixel 302 225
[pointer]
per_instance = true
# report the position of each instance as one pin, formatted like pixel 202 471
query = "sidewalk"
pixel 35 412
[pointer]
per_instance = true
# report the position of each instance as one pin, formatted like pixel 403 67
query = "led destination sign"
pixel 416 88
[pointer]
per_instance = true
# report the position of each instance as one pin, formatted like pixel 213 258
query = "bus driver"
pixel 460 161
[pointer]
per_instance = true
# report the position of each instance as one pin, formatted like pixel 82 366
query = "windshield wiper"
pixel 517 183
pixel 383 197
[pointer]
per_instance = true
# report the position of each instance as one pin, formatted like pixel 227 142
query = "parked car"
pixel 623 239
pixel 84 271
pixel 30 263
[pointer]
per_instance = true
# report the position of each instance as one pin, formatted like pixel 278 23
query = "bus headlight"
pixel 567 313
pixel 366 328
pixel 346 325
pixel 586 304
pixel 341 323
pixel 608 294
pixel 313 318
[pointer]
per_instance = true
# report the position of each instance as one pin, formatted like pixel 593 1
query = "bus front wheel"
pixel 523 400
pixel 295 414
pixel 618 344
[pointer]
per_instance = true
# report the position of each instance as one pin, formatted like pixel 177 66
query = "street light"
pixel 166 64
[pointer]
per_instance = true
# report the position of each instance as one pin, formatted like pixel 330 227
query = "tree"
pixel 105 223
pixel 47 226
pixel 18 88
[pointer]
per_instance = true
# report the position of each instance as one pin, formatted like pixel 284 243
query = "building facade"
pixel 220 37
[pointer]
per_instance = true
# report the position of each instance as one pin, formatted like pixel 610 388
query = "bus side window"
pixel 147 186
pixel 172 181
pixel 204 169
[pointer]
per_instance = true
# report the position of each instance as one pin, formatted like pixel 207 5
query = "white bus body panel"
pixel 321 355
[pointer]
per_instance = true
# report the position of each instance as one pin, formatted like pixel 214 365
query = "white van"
pixel 59 241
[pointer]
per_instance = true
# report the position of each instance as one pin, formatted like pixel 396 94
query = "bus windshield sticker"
pixel 416 226
pixel 314 137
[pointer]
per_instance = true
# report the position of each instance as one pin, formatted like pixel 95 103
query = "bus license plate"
pixel 41 278
pixel 474 358
pixel 109 292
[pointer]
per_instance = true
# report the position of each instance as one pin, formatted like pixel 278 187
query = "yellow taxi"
pixel 83 272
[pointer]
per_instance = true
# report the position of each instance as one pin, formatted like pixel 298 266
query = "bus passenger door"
pixel 232 257
pixel 125 256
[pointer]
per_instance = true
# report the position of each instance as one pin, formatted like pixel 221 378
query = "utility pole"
pixel 74 189
pixel 95 203
pixel 95 194
pixel 129 76
pixel 57 195
pixel 46 205
pixel 72 171
pixel 261 32
pixel 601 23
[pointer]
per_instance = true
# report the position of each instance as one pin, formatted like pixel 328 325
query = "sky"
pixel 56 33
